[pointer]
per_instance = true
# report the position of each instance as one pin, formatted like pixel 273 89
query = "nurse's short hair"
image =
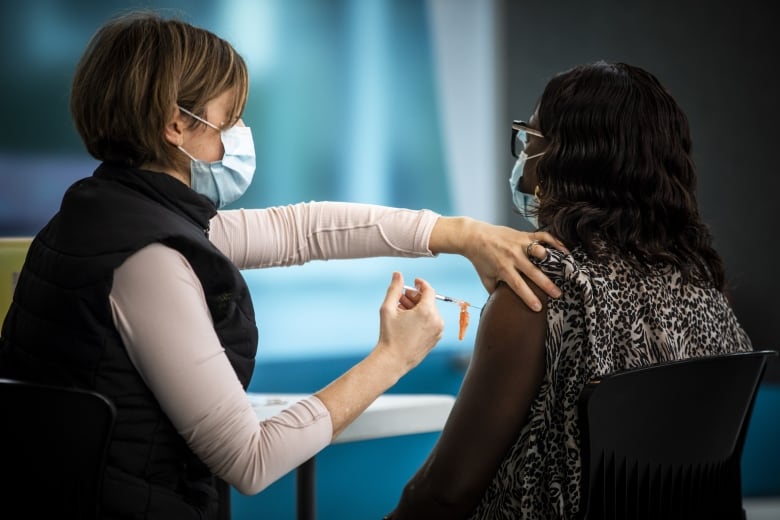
pixel 134 72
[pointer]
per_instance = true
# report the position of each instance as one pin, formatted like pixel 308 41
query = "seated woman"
pixel 605 164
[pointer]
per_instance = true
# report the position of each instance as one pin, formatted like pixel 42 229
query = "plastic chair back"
pixel 665 441
pixel 53 445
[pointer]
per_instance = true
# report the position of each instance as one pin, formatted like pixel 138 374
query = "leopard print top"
pixel 610 317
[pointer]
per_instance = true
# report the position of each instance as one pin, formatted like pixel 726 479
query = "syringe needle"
pixel 443 298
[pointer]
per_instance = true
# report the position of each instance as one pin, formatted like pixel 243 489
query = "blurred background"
pixel 409 103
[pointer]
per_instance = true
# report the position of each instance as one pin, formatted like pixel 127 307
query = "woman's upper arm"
pixel 491 408
pixel 161 314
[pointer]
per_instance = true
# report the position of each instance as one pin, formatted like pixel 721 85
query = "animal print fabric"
pixel 610 317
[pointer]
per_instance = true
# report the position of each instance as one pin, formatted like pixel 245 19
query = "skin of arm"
pixel 498 253
pixel 491 409
pixel 408 331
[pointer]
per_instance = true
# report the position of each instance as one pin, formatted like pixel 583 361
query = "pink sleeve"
pixel 160 311
pixel 299 233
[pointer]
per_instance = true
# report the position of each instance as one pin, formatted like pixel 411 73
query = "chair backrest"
pixel 665 441
pixel 53 445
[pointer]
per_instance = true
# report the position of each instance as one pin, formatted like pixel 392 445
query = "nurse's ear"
pixel 175 127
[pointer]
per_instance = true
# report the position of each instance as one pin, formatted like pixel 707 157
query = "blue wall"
pixel 760 471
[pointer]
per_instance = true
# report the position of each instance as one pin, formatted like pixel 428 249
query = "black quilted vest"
pixel 60 330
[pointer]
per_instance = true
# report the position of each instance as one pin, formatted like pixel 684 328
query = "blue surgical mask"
pixel 525 204
pixel 224 181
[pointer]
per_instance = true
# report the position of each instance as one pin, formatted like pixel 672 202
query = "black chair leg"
pixel 306 492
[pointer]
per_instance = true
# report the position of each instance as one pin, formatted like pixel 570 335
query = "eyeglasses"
pixel 520 133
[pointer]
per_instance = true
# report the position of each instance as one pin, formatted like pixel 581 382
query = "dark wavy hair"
pixel 618 175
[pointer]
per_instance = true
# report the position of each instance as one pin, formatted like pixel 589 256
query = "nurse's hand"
pixel 410 324
pixel 498 253
pixel 409 327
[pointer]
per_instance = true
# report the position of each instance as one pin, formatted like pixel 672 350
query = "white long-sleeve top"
pixel 160 310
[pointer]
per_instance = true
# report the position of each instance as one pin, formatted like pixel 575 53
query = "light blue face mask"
pixel 525 204
pixel 227 180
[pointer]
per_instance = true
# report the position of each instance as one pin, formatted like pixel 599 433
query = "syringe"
pixel 443 298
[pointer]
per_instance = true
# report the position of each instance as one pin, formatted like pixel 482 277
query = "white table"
pixel 390 415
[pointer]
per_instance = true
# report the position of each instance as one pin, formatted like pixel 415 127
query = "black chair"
pixel 53 444
pixel 665 441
